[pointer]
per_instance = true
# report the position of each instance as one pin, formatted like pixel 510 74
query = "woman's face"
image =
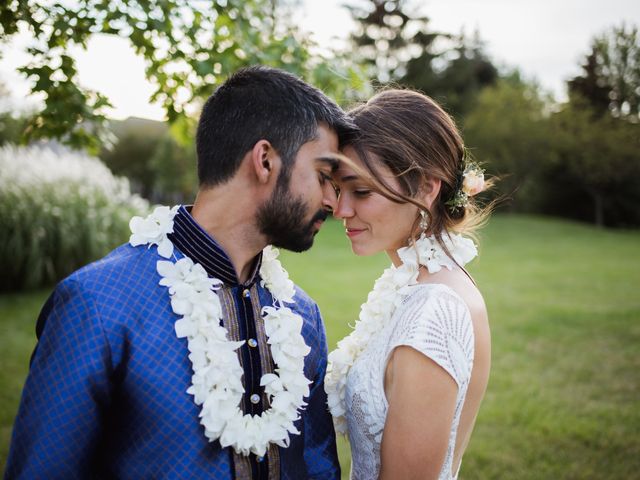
pixel 372 222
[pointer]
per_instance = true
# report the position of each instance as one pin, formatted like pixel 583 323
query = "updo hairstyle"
pixel 417 140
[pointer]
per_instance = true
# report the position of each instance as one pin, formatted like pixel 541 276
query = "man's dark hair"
pixel 261 103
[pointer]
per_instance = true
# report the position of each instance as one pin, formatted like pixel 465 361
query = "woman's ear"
pixel 429 190
pixel 265 162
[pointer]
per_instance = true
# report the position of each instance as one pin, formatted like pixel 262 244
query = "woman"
pixel 408 382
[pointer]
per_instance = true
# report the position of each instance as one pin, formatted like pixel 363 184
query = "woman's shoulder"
pixel 434 320
pixel 456 286
pixel 435 303
pixel 453 307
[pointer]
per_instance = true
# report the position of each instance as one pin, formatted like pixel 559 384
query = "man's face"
pixel 299 204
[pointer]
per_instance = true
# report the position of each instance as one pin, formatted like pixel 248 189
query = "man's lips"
pixel 352 232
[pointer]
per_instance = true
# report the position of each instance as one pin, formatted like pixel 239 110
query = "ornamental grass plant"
pixel 59 210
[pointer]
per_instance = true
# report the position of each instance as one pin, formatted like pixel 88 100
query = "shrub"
pixel 58 211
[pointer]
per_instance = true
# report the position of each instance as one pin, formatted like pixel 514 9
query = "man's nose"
pixel 330 199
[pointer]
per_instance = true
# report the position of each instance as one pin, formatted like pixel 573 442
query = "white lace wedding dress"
pixel 435 321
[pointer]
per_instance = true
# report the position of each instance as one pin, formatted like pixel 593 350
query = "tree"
pixel 160 168
pixel 464 71
pixel 508 130
pixel 600 155
pixel 11 127
pixel 610 81
pixel 389 33
pixel 590 87
pixel 598 131
pixel 130 156
pixel 398 45
pixel 189 48
pixel 174 173
pixel 11 123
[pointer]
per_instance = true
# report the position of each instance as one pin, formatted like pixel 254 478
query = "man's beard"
pixel 282 220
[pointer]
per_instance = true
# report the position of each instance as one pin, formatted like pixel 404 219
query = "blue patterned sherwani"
pixel 106 392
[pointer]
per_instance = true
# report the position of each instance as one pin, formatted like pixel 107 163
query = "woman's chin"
pixel 363 251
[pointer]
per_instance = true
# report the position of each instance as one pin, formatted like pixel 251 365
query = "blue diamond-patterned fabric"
pixel 106 392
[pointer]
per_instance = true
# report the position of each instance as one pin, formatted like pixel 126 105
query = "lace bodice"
pixel 436 322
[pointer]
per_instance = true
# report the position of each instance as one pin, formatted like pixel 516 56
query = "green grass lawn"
pixel 564 396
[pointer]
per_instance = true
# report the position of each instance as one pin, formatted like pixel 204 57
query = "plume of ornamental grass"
pixel 59 210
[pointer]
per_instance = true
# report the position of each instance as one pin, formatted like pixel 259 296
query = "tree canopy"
pixel 398 44
pixel 389 33
pixel 610 78
pixel 189 47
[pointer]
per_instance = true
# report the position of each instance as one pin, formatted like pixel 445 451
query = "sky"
pixel 545 39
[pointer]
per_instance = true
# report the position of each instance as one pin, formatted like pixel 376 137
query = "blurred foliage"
pixel 509 131
pixel 135 141
pixel 456 78
pixel 561 159
pixel 189 48
pixel 11 127
pixel 12 124
pixel 59 210
pixel 599 155
pixel 397 44
pixel 174 166
pixel 159 167
pixel 610 81
pixel 388 34
pixel 598 130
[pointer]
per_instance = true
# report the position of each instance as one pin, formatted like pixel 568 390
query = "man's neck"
pixel 230 219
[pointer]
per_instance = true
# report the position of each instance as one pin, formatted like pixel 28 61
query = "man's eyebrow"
pixel 333 162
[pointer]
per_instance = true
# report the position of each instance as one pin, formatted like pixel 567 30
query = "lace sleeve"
pixel 435 321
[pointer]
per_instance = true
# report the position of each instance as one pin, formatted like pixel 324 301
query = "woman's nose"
pixel 343 208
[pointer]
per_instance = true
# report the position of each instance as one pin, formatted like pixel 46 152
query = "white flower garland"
pixel 388 292
pixel 216 381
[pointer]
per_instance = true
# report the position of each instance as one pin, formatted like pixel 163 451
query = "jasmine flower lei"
pixel 216 382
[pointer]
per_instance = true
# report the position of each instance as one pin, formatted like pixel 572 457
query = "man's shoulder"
pixel 304 304
pixel 123 269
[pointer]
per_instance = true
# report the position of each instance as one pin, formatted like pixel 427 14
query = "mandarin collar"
pixel 192 240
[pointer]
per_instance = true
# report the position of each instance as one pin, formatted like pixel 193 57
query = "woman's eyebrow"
pixel 349 178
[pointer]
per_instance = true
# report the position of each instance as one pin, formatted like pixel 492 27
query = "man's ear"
pixel 429 190
pixel 265 161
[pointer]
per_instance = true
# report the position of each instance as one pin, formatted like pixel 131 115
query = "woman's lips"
pixel 352 232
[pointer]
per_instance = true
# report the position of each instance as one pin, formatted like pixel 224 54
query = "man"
pixel 115 388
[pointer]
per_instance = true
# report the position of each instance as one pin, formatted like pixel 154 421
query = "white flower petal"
pixel 165 248
pixel 166 269
pixel 185 328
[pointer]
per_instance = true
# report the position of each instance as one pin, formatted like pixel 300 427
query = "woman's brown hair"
pixel 416 139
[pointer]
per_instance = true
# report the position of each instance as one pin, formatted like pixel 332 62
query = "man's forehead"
pixel 326 133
